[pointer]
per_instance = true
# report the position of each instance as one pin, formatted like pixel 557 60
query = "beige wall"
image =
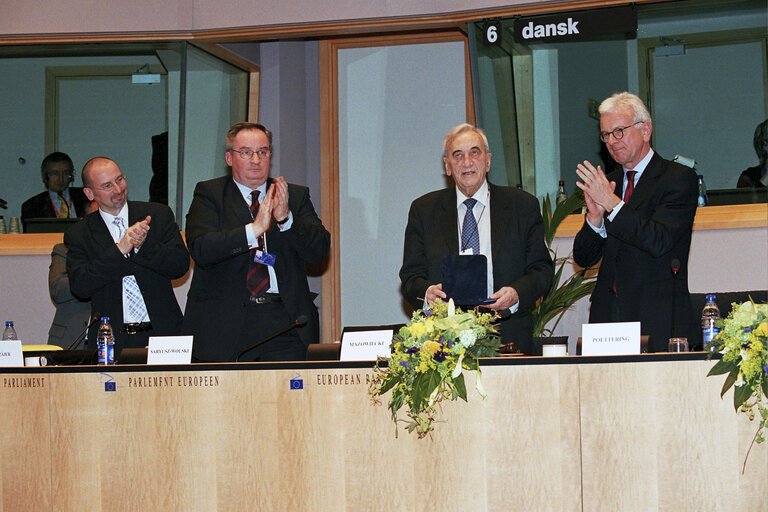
pixel 95 16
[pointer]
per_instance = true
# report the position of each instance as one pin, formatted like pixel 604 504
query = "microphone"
pixel 675 267
pixel 81 336
pixel 299 322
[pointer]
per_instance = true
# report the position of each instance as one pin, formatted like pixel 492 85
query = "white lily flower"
pixel 479 385
pixel 451 307
pixel 457 370
pixel 433 396
pixel 739 380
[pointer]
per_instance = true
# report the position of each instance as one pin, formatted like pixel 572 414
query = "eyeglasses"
pixel 247 154
pixel 110 186
pixel 61 174
pixel 617 133
pixel 474 154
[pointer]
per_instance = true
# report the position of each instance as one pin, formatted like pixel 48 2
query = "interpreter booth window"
pixel 141 104
pixel 699 66
pixel 395 105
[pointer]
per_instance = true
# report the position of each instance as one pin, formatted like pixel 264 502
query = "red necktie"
pixel 630 185
pixel 257 280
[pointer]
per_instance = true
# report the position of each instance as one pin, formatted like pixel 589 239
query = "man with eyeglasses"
pixel 59 200
pixel 475 217
pixel 250 237
pixel 123 258
pixel 639 221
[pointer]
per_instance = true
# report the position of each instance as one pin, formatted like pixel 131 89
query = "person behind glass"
pixel 59 200
pixel 756 176
pixel 123 258
pixel 639 219
pixel 250 237
pixel 510 233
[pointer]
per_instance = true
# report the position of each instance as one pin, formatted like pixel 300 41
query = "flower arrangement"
pixel 429 356
pixel 743 343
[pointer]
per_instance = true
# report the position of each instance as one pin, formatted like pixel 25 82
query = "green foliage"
pixel 743 344
pixel 561 296
pixel 429 357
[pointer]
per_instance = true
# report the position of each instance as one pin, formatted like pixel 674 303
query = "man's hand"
pixel 280 210
pixel 506 297
pixel 598 192
pixel 135 236
pixel 434 293
pixel 263 217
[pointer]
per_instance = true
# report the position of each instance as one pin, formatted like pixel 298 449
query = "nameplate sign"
pixel 576 26
pixel 365 345
pixel 169 350
pixel 609 339
pixel 10 353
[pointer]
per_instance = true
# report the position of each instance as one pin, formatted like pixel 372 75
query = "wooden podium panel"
pixel 25 442
pixel 656 436
pixel 562 434
pixel 249 440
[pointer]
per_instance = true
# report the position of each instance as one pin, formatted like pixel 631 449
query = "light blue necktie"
pixel 470 236
pixel 131 292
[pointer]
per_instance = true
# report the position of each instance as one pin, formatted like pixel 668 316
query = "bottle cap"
pixel 9 323
pixel 104 319
pixel 711 297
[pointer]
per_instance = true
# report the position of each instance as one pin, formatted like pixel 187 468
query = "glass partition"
pixel 700 66
pixel 122 101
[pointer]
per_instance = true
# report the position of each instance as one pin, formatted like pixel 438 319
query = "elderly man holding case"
pixel 507 228
pixel 639 221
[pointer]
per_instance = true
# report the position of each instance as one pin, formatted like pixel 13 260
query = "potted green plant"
pixel 562 293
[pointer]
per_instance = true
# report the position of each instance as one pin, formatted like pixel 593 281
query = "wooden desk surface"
pixel 636 433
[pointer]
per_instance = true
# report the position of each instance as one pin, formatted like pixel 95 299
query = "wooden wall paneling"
pixel 652 440
pixel 25 456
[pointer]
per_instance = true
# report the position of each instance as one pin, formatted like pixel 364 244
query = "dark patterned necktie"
pixel 257 280
pixel 470 237
pixel 630 185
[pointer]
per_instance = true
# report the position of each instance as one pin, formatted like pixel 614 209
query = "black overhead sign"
pixel 575 26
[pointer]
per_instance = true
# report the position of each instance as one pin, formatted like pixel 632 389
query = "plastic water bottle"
pixel 702 191
pixel 709 315
pixel 561 194
pixel 105 342
pixel 9 333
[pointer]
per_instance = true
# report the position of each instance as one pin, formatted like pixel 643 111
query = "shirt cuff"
pixel 615 211
pixel 253 240
pixel 600 230
pixel 287 225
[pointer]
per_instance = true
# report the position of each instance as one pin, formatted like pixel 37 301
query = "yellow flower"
pixel 762 329
pixel 429 323
pixel 418 329
pixel 431 346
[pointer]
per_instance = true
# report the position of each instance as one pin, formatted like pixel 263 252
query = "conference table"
pixel 634 433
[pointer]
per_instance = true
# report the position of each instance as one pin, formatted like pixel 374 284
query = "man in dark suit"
pixel 639 220
pixel 123 258
pixel 250 237
pixel 510 234
pixel 59 200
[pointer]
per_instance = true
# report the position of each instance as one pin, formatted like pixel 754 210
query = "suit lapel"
pixel 647 182
pixel 234 205
pixel 447 222
pixel 99 231
pixel 498 214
